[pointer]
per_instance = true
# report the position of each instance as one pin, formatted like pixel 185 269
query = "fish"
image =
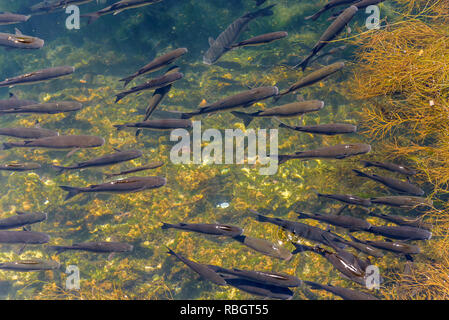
pixel 46 108
pixel 403 201
pixel 398 168
pixel 20 41
pixel 261 39
pixel 395 247
pixel 58 142
pixel 118 157
pixel 265 247
pixel 347 198
pixel 152 165
pixel 348 222
pixel 344 293
pixel 202 269
pixel 21 219
pixel 156 64
pixel 12 18
pixel 264 277
pixel 393 184
pixel 243 99
pixel 363 4
pixel 260 2
pixel 24 237
pixel 118 7
pixel 213 229
pixel 128 185
pixel 330 34
pixel 287 110
pixel 259 289
pixel 26 166
pixel 97 247
pixel 38 76
pixel 331 4
pixel 404 221
pixel 314 77
pixel 330 53
pixel 27 133
pixel 340 151
pixel 222 44
pixel 302 230
pixel 48 6
pixel 152 84
pixel 159 124
pixel 326 129
pixel 365 248
pixel 13 102
pixel 401 232
pixel 30 265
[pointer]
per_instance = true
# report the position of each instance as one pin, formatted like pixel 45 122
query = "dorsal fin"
pixel 211 41
pixel 18 32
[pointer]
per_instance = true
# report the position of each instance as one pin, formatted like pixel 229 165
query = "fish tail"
pixel 170 251
pixel 166 226
pixel 303 64
pixel 120 127
pixel 366 163
pixel 261 12
pixel 314 285
pixel 188 115
pixel 301 248
pixel 315 16
pixel 127 80
pixel 138 132
pixel 120 96
pixel 59 170
pixel 260 218
pixel 360 173
pixel 247 118
pixel 302 215
pixel 72 191
pixel 283 158
pixel 92 17
pixel 58 249
pixel 6 146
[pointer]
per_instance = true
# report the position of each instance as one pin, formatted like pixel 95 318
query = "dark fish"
pixel 403 221
pixel 347 198
pixel 38 76
pixel 25 237
pixel 224 41
pixel 27 166
pixel 58 142
pixel 107 160
pixel 262 39
pixel 30 265
pixel 403 201
pixel 326 129
pixel 264 277
pixel 390 167
pixel 365 248
pixel 48 108
pixel 48 6
pixel 340 151
pixel 330 53
pixel 259 289
pixel 360 5
pixel 118 7
pixel 159 124
pixel 395 247
pixel 202 269
pixel 287 110
pixel 394 184
pixel 128 185
pixel 303 230
pixel 155 83
pixel 345 293
pixel 401 232
pixel 314 77
pixel 265 247
pixel 336 220
pixel 14 102
pixel 331 33
pixel 12 18
pixel 331 4
pixel 98 247
pixel 22 219
pixel 214 229
pixel 20 41
pixel 157 64
pixel 244 99
pixel 27 133
pixel 260 2
pixel 152 165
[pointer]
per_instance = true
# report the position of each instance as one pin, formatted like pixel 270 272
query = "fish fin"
pixel 21 249
pixel 117 12
pixel 71 153
pixel 247 118
pixel 211 41
pixel 166 226
pixel 314 16
pixel 138 132
pixel 27 228
pixel 120 127
pixel 59 170
pixel 111 256
pixel 127 80
pixel 20 212
pixel 409 258
pixel 12 96
pixel 116 149
pixel 72 191
pixel 92 17
pixel 18 32
pixel 5 146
